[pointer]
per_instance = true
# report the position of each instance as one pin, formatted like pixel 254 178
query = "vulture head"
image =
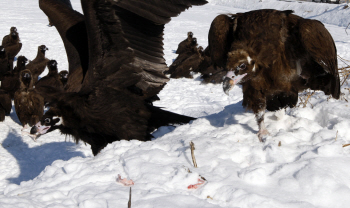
pixel 189 35
pixel 46 124
pixel 63 75
pixel 14 33
pixel 22 60
pixel 43 48
pixel 26 79
pixel 52 66
pixel 241 67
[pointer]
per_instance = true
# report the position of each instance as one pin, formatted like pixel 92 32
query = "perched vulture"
pixel 51 80
pixel 123 73
pixel 38 64
pixel 4 63
pixel 187 44
pixel 189 65
pixel 192 49
pixel 11 82
pixel 5 104
pixel 29 104
pixel 12 45
pixel 273 55
pixel 63 77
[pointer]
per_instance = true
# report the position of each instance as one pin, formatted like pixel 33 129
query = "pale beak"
pixel 230 81
pixel 39 129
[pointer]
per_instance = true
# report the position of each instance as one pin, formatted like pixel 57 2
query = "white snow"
pixel 309 168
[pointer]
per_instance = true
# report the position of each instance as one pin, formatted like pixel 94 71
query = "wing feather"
pixel 128 35
pixel 319 44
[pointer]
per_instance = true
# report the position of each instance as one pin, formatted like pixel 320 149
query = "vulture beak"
pixel 39 129
pixel 230 81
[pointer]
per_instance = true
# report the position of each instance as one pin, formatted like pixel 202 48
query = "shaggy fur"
pixel 29 104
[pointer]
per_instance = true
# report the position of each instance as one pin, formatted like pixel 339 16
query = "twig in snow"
pixel 279 143
pixel 192 153
pixel 129 202
pixel 345 145
pixel 336 136
pixel 304 99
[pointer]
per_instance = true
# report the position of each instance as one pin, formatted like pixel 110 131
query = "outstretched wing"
pixel 71 26
pixel 319 44
pixel 126 41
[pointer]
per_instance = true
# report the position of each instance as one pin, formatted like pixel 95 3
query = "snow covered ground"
pixel 309 168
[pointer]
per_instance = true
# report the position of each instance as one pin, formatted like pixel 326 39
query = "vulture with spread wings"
pixel 116 64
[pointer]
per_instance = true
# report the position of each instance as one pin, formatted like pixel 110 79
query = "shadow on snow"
pixel 32 161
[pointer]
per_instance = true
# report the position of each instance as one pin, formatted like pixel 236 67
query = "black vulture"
pixel 66 2
pixel 38 64
pixel 29 104
pixel 187 44
pixel 273 55
pixel 12 45
pixel 123 74
pixel 189 65
pixel 51 80
pixel 185 54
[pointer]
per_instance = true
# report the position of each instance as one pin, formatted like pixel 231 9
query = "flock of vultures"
pixel 116 67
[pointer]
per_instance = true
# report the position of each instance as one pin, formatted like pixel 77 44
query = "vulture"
pixel 52 79
pixel 5 104
pixel 4 63
pixel 187 44
pixel 12 45
pixel 189 65
pixel 50 83
pixel 38 64
pixel 29 104
pixel 11 82
pixel 63 77
pixel 191 50
pixel 273 55
pixel 122 71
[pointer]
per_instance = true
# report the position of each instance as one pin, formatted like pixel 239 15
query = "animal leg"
pixel 263 133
